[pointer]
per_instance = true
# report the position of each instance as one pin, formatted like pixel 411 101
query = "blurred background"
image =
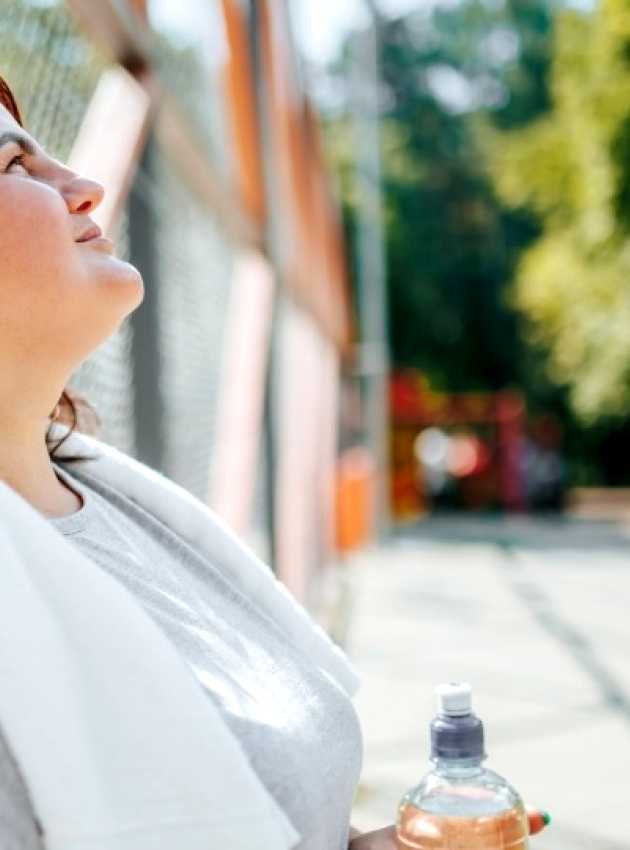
pixel 385 335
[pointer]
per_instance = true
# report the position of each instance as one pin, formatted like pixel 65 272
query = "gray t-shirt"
pixel 299 729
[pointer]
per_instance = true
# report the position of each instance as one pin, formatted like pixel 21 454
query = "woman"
pixel 62 293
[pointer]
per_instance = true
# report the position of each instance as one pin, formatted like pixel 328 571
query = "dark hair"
pixel 72 409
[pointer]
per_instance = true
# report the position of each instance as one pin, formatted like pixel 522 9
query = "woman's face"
pixel 59 298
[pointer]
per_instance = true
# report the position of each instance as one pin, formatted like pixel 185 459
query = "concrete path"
pixel 536 616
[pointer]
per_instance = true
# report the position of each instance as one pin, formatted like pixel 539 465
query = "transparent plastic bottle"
pixel 460 805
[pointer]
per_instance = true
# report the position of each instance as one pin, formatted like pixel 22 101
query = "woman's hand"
pixel 378 839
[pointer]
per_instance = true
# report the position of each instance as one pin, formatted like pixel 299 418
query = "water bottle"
pixel 460 805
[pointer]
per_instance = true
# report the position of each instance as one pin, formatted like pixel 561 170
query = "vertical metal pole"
pixel 373 350
pixel 269 411
pixel 148 404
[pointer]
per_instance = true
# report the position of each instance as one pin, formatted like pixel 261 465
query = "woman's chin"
pixel 112 271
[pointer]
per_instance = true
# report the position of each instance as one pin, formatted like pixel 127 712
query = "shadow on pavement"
pixel 537 532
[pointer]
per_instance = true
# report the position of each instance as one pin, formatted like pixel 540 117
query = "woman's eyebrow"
pixel 22 141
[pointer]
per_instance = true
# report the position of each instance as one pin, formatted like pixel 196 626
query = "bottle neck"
pixel 461 768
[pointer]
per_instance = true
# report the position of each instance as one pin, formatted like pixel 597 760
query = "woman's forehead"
pixel 8 122
pixel 9 125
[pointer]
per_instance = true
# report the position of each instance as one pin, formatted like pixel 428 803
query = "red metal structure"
pixel 415 406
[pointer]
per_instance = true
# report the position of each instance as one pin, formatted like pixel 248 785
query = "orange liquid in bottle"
pixel 420 830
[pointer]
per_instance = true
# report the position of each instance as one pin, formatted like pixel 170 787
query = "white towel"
pixel 119 745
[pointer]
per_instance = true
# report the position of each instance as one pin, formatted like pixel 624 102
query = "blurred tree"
pixel 572 168
pixel 506 160
pixel 451 245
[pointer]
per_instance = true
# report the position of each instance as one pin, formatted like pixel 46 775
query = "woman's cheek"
pixel 35 236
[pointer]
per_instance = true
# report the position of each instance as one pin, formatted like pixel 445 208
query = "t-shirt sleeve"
pixel 18 823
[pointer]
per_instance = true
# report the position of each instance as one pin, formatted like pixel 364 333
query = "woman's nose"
pixel 83 195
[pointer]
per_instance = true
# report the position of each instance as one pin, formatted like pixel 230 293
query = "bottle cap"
pixel 454 699
pixel 456 732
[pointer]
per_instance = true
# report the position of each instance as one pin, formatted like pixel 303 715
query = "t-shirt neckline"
pixel 75 522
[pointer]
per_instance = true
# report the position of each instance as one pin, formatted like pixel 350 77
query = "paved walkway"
pixel 536 616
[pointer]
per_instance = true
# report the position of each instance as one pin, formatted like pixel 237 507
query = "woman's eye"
pixel 17 160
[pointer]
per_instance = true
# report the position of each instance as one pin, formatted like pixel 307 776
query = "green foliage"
pixel 572 167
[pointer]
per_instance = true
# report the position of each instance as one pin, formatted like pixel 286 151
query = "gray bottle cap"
pixel 456 732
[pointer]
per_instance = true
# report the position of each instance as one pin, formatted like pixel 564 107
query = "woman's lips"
pixel 94 236
pixel 93 233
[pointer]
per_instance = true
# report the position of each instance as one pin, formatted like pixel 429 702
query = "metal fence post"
pixel 145 349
